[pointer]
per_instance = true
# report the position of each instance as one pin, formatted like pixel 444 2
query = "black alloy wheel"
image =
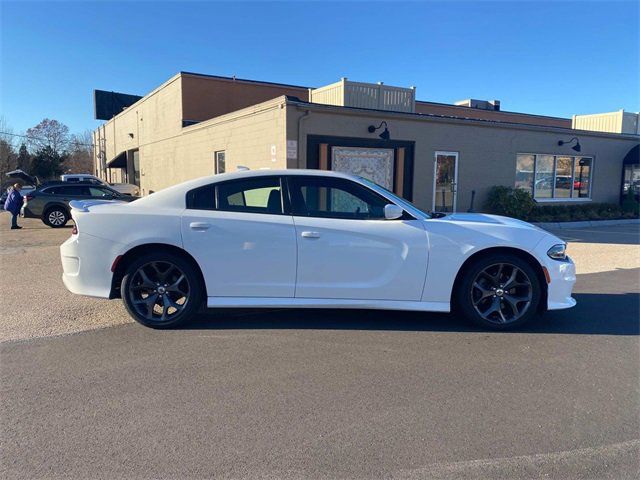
pixel 162 290
pixel 499 292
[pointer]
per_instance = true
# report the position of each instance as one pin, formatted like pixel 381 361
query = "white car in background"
pixel 125 188
pixel 309 238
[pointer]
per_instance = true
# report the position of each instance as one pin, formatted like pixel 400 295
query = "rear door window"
pixel 100 192
pixel 250 195
pixel 68 190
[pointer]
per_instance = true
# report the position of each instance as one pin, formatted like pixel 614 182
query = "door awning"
pixel 631 158
pixel 119 161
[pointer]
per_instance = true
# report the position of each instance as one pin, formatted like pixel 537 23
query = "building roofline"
pixel 180 74
pixel 450 105
pixel 426 102
pixel 622 110
pixel 167 82
pixel 460 120
pixel 276 102
pixel 386 112
pixel 243 80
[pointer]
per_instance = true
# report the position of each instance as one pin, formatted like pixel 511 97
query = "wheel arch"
pixel 125 260
pixel 55 205
pixel 49 206
pixel 523 254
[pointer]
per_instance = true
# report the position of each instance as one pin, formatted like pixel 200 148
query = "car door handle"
pixel 310 234
pixel 199 226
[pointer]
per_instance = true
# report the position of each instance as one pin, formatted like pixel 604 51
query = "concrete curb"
pixel 589 223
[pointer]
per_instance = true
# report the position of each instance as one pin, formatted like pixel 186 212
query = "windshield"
pixel 400 201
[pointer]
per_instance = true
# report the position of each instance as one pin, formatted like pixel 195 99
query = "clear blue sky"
pixel 555 58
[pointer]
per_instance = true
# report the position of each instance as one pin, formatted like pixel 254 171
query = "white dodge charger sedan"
pixel 309 239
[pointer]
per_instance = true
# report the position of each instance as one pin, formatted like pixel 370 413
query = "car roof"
pixel 174 195
pixel 55 183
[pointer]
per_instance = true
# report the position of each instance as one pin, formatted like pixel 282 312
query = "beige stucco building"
pixel 433 154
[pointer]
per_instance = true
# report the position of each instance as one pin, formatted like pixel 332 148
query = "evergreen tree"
pixel 24 159
pixel 48 163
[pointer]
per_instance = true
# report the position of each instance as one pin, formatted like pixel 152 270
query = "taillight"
pixel 74 230
pixel 29 197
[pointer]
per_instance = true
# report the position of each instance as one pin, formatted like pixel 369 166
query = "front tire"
pixel 499 292
pixel 162 290
pixel 56 217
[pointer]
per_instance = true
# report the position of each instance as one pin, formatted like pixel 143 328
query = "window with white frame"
pixel 219 165
pixel 550 177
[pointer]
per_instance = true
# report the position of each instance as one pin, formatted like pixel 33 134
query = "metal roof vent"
pixel 480 104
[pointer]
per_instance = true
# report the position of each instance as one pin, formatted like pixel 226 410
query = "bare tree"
pixel 6 132
pixel 8 155
pixel 49 133
pixel 80 153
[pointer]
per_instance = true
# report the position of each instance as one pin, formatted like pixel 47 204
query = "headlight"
pixel 558 252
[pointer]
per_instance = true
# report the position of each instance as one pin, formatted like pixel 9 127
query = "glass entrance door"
pixel 136 167
pixel 445 182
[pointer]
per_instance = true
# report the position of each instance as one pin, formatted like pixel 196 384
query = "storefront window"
pixel 524 172
pixel 631 179
pixel 564 173
pixel 544 176
pixel 549 177
pixel 582 179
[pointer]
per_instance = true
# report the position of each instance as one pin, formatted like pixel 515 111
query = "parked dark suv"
pixel 50 201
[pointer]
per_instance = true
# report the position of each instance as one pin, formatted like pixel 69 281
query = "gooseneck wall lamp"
pixel 385 133
pixel 576 147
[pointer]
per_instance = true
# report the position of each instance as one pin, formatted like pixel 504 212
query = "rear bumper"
pixel 28 213
pixel 86 264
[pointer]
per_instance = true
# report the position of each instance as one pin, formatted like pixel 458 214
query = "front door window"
pixel 445 181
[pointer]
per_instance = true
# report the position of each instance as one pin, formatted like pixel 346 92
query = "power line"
pixel 31 137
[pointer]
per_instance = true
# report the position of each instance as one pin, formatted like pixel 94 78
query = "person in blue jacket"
pixel 13 204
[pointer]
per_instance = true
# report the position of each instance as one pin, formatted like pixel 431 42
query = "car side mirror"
pixel 392 212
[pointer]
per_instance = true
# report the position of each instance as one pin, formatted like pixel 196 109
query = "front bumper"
pixel 561 274
pixel 86 264
pixel 563 278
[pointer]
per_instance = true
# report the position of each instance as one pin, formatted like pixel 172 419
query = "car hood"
pixel 486 219
pixel 469 232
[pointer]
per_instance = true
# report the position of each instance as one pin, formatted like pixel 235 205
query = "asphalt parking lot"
pixel 318 394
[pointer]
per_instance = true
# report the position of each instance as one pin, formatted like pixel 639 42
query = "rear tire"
pixel 56 217
pixel 162 290
pixel 499 292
